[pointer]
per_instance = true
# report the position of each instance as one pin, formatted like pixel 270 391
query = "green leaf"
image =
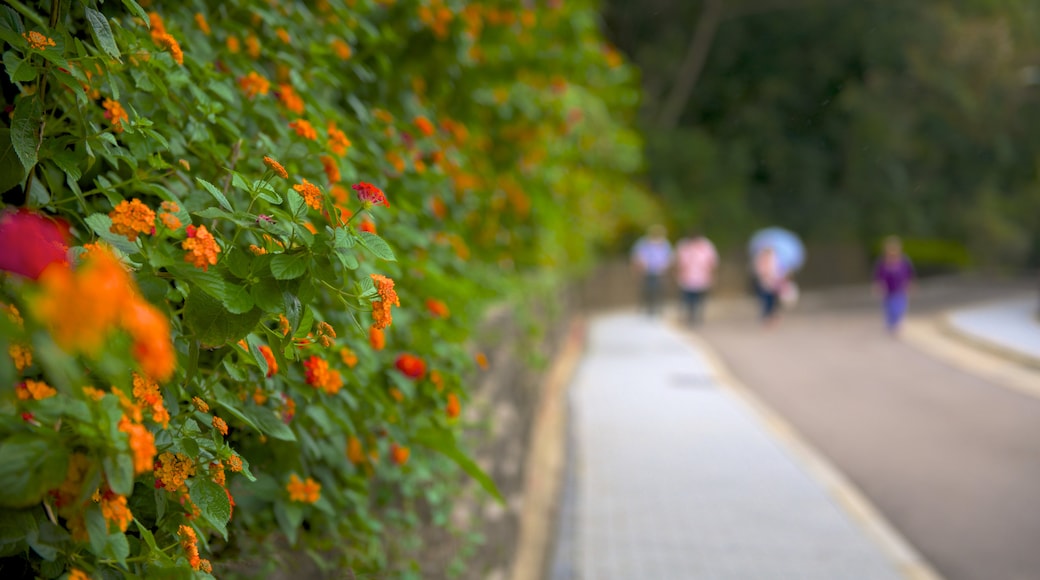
pixel 30 465
pixel 20 71
pixel 268 296
pixel 102 32
pixel 237 298
pixel 254 348
pixel 119 470
pixel 297 206
pixel 290 517
pixel 136 8
pixel 213 504
pixel 12 172
pixel 14 527
pixel 444 443
pixel 212 324
pixel 289 266
pixel 104 544
pixel 10 20
pixel 147 536
pixel 377 246
pixel 25 127
pixel 216 193
pixel 231 404
pixel 270 424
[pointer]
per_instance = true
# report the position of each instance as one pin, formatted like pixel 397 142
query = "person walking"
pixel 769 280
pixel 696 260
pixel 893 276
pixel 651 256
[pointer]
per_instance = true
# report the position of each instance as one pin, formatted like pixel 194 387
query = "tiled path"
pixel 674 477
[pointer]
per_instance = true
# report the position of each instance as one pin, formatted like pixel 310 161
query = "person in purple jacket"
pixel 893 276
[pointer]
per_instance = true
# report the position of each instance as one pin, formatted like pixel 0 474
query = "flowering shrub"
pixel 209 338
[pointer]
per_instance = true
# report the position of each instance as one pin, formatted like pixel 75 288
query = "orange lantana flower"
pixel 190 543
pixel 342 49
pixel 310 193
pixel 115 510
pixel 37 41
pixel 116 114
pixel 304 129
pixel 338 142
pixel 202 248
pixel 276 167
pixel 425 126
pixel 253 46
pixel 146 393
pixel 437 308
pixel 304 491
pixel 81 307
pixel 381 314
pixel 150 330
pixel 355 452
pixel 220 425
pixel 399 454
pixel 171 471
pixel 272 364
pixel 142 445
pixel 200 20
pixel 453 408
pixel 288 97
pixel 130 218
pixel 349 357
pixel 254 84
pixel 376 338
pixel 320 376
pixel 331 169
pixel 34 390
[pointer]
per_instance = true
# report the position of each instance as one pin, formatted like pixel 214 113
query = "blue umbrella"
pixel 790 253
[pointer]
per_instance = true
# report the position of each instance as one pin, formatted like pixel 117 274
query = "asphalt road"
pixel 952 461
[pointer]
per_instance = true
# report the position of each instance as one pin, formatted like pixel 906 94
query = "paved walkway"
pixel 1010 326
pixel 675 477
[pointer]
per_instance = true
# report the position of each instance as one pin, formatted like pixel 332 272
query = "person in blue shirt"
pixel 652 256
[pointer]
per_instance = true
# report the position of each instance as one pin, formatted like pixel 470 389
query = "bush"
pixel 252 241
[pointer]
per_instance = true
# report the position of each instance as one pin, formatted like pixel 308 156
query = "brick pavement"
pixel 674 477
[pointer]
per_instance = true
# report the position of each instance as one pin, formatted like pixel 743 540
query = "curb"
pixel 931 337
pixel 947 327
pixel 546 461
pixel 908 561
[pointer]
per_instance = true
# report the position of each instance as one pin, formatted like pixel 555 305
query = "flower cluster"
pixel 37 41
pixel 369 194
pixel 320 376
pixel 304 491
pixel 172 470
pixel 310 193
pixel 130 218
pixel 381 314
pixel 202 248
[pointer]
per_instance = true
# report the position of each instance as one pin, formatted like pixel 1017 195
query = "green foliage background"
pixel 848 120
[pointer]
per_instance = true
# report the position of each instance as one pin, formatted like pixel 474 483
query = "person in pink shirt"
pixel 696 260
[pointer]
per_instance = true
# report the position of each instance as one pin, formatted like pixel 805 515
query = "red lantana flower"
pixel 411 366
pixel 370 194
pixel 30 243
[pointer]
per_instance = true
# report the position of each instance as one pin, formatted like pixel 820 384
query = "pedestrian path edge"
pixel 545 463
pixel 908 561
